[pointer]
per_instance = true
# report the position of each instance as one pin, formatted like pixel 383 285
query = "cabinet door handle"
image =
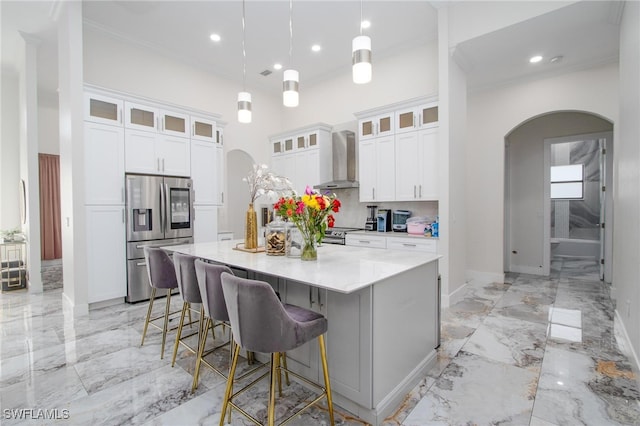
pixel 158 168
pixel 414 191
pixel 364 242
pixel 222 197
pixel 163 164
pixel 414 121
pixel 420 191
pixel 120 115
pixel 420 119
pixel 193 129
pixel 141 264
pixel 320 299
pixel 123 218
pixel 408 245
pixel 373 193
pixel 311 302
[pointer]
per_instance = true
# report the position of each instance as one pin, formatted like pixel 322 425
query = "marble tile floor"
pixel 530 351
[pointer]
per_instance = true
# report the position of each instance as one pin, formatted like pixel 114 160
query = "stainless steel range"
pixel 337 235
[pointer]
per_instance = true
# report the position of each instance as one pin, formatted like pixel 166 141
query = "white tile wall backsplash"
pixel 354 213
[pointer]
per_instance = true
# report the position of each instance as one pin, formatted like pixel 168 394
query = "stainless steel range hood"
pixel 344 161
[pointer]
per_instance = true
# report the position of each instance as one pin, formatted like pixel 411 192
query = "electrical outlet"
pixel 628 308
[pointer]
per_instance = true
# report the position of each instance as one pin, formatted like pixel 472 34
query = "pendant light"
pixel 361 56
pixel 290 78
pixel 244 97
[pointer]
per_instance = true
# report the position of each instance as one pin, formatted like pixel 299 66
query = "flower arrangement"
pixel 312 213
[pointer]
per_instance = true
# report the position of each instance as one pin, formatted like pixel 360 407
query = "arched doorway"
pixel 529 225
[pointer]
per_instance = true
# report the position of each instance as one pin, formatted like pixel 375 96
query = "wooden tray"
pixel 240 247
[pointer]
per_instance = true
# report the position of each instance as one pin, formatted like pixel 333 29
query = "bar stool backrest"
pixel 160 268
pixel 261 323
pixel 186 276
pixel 210 285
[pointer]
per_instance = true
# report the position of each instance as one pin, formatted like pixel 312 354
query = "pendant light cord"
pixel 361 17
pixel 290 33
pixel 244 53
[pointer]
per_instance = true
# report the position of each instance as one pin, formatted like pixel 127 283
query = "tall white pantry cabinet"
pixel 123 134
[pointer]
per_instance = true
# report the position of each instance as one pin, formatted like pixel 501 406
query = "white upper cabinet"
pixel 103 109
pixel 151 153
pixel 417 117
pixel 203 129
pixel 174 123
pixel 303 155
pixel 206 172
pixel 141 117
pixel 376 126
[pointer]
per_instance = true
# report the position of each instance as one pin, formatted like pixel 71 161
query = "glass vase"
pixel 309 251
pixel 251 229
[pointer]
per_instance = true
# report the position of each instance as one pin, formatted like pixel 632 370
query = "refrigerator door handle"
pixel 162 212
pixel 167 210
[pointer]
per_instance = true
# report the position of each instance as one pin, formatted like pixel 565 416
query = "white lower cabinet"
pixel 360 240
pixel 205 224
pixel 106 257
pixel 393 242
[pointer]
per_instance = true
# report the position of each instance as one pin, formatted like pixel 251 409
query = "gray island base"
pixel 382 309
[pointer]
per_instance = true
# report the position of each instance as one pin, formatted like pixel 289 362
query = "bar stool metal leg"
pixel 166 323
pixel 227 392
pixel 325 372
pixel 185 307
pixel 146 322
pixel 275 374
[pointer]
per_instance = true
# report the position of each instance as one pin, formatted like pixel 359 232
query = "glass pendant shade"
pixel 361 47
pixel 290 96
pixel 244 107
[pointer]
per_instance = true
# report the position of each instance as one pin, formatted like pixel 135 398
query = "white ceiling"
pixel 584 33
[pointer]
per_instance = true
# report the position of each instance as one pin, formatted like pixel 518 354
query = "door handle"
pixel 163 164
pixel 311 302
pixel 141 264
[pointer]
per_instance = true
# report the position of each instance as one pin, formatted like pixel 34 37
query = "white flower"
pixel 263 182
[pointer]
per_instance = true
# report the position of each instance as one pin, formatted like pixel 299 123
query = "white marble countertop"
pixel 339 268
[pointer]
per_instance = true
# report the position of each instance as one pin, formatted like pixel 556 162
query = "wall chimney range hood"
pixel 344 161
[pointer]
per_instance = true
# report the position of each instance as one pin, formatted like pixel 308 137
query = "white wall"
pixel 526 194
pixel 48 123
pixel 9 152
pixel 626 273
pixel 492 115
pixel 407 75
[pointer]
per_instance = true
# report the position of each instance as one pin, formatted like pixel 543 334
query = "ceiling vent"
pixel 266 73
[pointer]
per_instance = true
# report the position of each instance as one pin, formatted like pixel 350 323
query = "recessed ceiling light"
pixel 316 48
pixel 277 66
pixel 556 59
pixel 214 37
pixel 535 59
pixel 365 24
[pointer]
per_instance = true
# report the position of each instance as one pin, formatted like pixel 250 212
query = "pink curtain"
pixel 50 222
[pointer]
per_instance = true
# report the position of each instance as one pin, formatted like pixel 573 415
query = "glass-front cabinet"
pixel 203 129
pixel 174 123
pixel 415 118
pixel 103 109
pixel 140 117
pixel 379 125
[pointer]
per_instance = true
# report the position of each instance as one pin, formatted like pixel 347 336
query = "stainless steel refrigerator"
pixel 159 213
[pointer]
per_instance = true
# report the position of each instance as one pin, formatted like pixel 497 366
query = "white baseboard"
pixel 455 297
pixel 488 277
pixel 531 270
pixel 627 347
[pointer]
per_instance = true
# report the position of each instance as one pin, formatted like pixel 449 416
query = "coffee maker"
pixel 384 220
pixel 371 223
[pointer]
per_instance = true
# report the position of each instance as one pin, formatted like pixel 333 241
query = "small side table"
pixel 13 266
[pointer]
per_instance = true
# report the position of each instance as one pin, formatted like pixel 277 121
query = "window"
pixel 567 182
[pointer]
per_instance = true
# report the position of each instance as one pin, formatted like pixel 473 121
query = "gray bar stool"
pixel 261 323
pixel 215 309
pixel 188 285
pixel 161 275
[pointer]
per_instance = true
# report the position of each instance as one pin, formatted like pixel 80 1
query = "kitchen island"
pixel 382 310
